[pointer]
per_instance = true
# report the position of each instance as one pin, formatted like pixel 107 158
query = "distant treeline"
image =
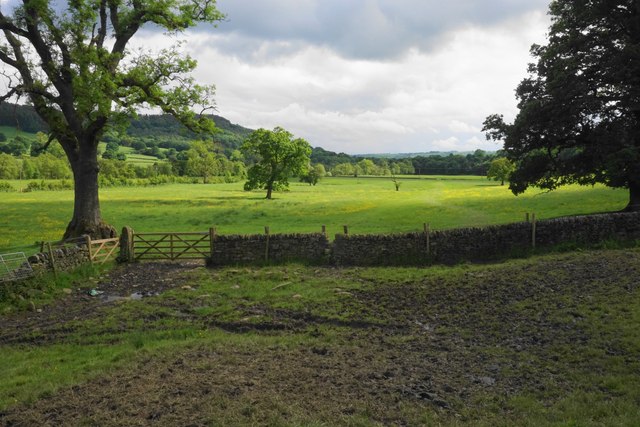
pixel 476 163
pixel 163 137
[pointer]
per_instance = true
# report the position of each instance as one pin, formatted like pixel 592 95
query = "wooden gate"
pixel 101 251
pixel 170 246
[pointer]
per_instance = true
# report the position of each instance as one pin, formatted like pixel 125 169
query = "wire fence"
pixel 14 266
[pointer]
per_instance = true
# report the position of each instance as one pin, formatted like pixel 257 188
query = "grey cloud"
pixel 364 29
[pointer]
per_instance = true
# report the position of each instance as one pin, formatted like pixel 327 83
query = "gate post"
pixel 126 245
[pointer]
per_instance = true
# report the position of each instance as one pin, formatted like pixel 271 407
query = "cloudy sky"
pixel 370 76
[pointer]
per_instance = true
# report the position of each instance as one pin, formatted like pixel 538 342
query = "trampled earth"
pixel 548 340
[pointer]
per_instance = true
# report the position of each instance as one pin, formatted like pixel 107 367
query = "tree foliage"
pixel 279 156
pixel 71 62
pixel 313 174
pixel 579 108
pixel 500 170
pixel 9 167
pixel 202 161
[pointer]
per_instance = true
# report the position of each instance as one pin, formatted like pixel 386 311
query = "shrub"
pixel 57 185
pixel 5 187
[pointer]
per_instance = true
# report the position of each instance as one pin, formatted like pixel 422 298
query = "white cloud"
pixel 450 144
pixel 413 99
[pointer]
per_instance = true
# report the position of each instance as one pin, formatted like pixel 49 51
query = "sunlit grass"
pixel 367 205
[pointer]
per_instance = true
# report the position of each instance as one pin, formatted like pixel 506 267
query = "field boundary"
pixel 475 244
pixel 14 266
pixel 418 248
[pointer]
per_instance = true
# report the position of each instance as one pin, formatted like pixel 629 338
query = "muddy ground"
pixel 443 348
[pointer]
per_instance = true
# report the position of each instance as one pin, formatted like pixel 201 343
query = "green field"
pixel 367 205
pixel 136 159
pixel 11 132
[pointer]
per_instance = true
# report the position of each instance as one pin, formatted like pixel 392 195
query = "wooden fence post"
pixel 427 237
pixel 526 217
pixel 324 230
pixel 52 260
pixel 346 230
pixel 212 237
pixel 266 248
pixel 131 247
pixel 533 230
pixel 87 240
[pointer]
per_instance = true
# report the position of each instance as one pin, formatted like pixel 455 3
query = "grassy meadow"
pixel 367 205
pixel 132 157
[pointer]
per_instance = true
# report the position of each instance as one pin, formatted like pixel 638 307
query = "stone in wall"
pixel 262 248
pixel 66 258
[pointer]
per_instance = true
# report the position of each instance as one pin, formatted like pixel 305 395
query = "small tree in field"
pixel 500 170
pixel 202 161
pixel 313 174
pixel 279 156
pixel 396 182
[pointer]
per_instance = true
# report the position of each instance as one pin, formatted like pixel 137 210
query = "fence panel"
pixel 14 267
pixel 171 246
pixel 101 251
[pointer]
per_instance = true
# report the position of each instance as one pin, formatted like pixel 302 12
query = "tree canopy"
pixel 279 156
pixel 202 160
pixel 72 64
pixel 579 108
pixel 500 170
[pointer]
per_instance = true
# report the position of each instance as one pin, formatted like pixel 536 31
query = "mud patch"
pixel 131 281
pixel 441 349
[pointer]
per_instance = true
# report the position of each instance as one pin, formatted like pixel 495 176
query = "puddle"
pixel 134 296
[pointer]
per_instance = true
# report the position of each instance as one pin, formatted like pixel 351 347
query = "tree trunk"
pixel 634 197
pixel 269 190
pixel 86 208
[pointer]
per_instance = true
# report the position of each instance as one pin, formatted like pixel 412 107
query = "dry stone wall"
pixel 382 249
pixel 66 258
pixel 264 248
pixel 482 243
pixel 441 247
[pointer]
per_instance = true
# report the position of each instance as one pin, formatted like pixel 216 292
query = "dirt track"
pixel 446 346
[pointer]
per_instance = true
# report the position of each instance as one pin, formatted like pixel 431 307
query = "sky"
pixel 367 76
pixel 370 76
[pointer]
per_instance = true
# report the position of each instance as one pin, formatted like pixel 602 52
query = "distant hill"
pixel 21 117
pixel 230 135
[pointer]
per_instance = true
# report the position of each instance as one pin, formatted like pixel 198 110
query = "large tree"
pixel 579 108
pixel 278 156
pixel 70 60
